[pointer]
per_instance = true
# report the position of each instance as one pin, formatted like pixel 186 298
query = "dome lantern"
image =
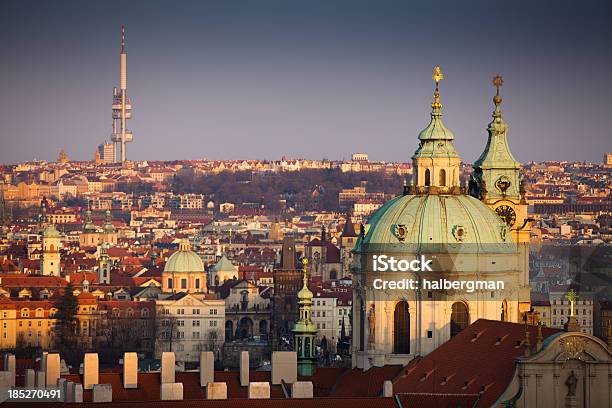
pixel 435 162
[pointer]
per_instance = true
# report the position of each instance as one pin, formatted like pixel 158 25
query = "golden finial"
pixel 305 270
pixel 572 297
pixel 498 81
pixel 437 76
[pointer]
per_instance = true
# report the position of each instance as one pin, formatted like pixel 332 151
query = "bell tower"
pixel 497 177
pixel 104 267
pixel 498 183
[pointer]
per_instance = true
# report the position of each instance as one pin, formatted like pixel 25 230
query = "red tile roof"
pixel 482 355
pixel 357 383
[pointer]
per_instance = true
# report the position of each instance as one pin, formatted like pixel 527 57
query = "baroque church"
pixel 478 231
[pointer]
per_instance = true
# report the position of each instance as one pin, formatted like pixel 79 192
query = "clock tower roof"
pixel 497 152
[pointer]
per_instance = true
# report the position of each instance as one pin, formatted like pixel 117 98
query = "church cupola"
pixel 305 331
pixel 435 162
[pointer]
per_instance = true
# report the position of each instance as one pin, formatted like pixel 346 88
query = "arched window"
pixel 427 178
pixel 460 318
pixel 144 312
pixel 25 312
pixel 401 328
pixel 130 312
pixel 442 180
pixel 263 327
pixel 229 330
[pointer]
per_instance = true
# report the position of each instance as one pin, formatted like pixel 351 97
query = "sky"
pixel 305 79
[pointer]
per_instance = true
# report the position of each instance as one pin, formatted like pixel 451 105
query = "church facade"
pixel 476 232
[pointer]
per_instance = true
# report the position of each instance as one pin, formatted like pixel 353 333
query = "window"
pixel 183 283
pixel 460 318
pixel 170 283
pixel 427 178
pixel 196 335
pixel 213 323
pixel 25 312
pixel 180 311
pixel 196 311
pixel 401 328
pixel 429 334
pixel 197 283
pixel 180 323
pixel 144 312
pixel 442 177
pixel 195 323
pixel 213 311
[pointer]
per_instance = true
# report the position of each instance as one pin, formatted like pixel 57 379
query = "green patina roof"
pixel 51 232
pixel 224 265
pixel 432 223
pixel 436 140
pixel 184 260
pixel 497 153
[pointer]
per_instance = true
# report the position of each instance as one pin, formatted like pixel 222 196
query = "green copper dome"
pixel 184 260
pixel 435 223
pixel 51 232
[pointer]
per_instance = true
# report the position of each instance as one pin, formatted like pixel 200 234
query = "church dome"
pixel 435 223
pixel 51 232
pixel 184 260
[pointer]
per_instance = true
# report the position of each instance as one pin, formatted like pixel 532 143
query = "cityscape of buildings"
pixel 133 281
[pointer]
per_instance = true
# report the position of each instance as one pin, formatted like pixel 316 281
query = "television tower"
pixel 122 109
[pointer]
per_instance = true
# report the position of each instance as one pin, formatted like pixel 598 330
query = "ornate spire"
pixel 349 228
pixel 436 150
pixel 304 295
pixel 496 166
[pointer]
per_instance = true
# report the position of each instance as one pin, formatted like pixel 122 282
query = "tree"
pixel 65 327
pixel 166 331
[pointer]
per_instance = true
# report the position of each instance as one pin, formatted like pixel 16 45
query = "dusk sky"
pixel 310 79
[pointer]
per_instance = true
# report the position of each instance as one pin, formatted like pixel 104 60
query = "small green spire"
pixel 305 331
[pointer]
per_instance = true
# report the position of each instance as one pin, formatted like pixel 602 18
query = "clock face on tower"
pixel 507 214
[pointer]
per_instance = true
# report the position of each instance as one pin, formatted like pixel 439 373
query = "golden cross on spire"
pixel 572 297
pixel 437 76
